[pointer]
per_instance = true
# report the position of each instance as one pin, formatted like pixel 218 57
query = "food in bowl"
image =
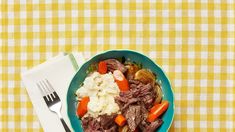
pixel 101 90
pixel 120 95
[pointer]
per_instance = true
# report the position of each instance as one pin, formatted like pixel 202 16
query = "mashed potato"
pixel 101 89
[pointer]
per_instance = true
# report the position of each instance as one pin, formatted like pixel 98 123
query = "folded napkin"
pixel 59 71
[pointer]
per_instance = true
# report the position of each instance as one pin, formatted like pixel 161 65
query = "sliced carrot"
pixel 102 67
pixel 120 120
pixel 123 85
pixel 157 110
pixel 121 80
pixel 82 106
pixel 151 117
pixel 154 107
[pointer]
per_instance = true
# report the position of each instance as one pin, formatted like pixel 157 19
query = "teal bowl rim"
pixel 116 50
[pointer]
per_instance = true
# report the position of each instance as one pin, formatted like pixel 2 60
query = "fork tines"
pixel 47 91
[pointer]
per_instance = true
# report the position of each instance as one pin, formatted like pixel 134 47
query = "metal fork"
pixel 52 100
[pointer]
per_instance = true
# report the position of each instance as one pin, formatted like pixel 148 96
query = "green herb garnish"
pixel 138 64
pixel 92 68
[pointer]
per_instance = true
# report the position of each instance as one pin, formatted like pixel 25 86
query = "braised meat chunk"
pixel 113 64
pixel 150 127
pixel 133 117
pixel 104 123
pixel 134 104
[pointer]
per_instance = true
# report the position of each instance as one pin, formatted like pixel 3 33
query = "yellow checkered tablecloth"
pixel 192 40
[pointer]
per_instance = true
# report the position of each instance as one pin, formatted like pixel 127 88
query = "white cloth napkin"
pixel 59 71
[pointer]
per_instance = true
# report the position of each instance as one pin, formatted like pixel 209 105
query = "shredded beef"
pixel 134 104
pixel 133 117
pixel 131 101
pixel 107 121
pixel 113 64
pixel 112 129
pixel 134 82
pixel 138 91
pixel 104 123
pixel 153 126
pixel 89 124
pixel 144 111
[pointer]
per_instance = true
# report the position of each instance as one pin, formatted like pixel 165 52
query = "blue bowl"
pixel 133 56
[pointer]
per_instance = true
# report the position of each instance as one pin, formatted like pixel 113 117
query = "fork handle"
pixel 65 125
pixel 63 122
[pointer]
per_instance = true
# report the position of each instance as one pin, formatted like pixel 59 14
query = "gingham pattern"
pixel 192 40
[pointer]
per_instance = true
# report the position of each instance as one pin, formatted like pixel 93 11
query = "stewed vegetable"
pixel 145 76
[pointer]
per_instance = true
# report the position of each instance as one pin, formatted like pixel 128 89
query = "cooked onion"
pixel 123 129
pixel 131 70
pixel 145 76
pixel 159 93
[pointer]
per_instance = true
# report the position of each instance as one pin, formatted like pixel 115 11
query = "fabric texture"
pixel 192 40
pixel 59 71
